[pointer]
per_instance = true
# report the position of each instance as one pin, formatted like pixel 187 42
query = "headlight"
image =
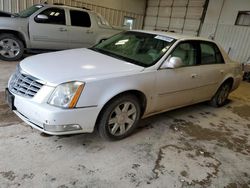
pixel 66 95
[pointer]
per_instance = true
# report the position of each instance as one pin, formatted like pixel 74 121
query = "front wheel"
pixel 119 118
pixel 11 48
pixel 221 96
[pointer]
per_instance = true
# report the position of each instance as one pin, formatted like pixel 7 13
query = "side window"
pixel 52 16
pixel 80 18
pixel 187 52
pixel 210 54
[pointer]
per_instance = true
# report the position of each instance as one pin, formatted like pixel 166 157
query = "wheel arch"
pixel 138 94
pixel 15 33
pixel 229 80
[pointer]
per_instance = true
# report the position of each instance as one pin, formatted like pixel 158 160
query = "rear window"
pixel 210 54
pixel 80 18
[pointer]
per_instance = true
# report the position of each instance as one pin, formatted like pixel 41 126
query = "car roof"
pixel 176 36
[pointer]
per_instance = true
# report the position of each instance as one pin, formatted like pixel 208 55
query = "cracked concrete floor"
pixel 196 146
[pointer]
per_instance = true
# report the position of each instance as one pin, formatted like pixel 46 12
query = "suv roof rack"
pixel 58 4
pixel 71 6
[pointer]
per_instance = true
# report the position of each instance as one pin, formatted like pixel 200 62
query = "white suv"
pixel 51 27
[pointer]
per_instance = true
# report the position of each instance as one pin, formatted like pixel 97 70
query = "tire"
pixel 11 47
pixel 119 118
pixel 221 96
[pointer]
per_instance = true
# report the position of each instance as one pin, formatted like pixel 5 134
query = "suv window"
pixel 55 16
pixel 187 52
pixel 210 54
pixel 80 18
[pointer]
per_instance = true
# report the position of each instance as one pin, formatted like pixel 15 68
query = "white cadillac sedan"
pixel 112 85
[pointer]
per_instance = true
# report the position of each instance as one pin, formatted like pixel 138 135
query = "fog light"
pixel 61 128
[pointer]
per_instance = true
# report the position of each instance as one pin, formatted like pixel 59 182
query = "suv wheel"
pixel 11 48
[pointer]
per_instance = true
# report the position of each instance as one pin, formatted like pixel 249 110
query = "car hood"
pixel 75 65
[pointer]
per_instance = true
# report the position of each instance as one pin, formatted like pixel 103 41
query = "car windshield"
pixel 29 11
pixel 139 48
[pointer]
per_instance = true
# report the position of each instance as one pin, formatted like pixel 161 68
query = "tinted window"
pixel 80 18
pixel 210 54
pixel 187 52
pixel 55 16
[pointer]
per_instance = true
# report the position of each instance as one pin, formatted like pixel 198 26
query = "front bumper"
pixel 53 120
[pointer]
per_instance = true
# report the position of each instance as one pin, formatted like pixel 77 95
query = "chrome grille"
pixel 24 85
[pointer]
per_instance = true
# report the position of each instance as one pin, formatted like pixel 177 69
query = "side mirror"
pixel 41 18
pixel 173 62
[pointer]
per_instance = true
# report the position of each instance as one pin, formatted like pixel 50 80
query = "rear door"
pixel 212 69
pixel 81 31
pixel 51 33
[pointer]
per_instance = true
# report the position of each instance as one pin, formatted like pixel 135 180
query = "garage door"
pixel 180 16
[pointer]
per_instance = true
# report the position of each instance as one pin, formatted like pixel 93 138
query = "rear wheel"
pixel 119 118
pixel 11 48
pixel 221 96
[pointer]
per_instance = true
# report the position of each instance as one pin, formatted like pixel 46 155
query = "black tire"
pixel 105 124
pixel 221 96
pixel 17 47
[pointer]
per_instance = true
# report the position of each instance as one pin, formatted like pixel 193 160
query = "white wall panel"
pixel 163 23
pixel 176 23
pixel 192 25
pixel 190 33
pixel 166 3
pixel 152 3
pixel 194 12
pixel 197 3
pixel 179 12
pixel 152 11
pixel 180 2
pixel 165 12
pixel 150 21
pixel 182 16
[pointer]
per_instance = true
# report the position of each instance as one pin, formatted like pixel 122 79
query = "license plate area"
pixel 9 98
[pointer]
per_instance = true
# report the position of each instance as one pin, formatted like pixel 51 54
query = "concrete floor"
pixel 196 146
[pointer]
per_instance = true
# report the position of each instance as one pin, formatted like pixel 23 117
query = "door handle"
pixel 62 29
pixel 89 32
pixel 194 75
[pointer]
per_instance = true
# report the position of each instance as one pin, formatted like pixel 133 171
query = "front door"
pixel 177 87
pixel 48 29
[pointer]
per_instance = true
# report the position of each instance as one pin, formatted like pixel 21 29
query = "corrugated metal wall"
pixel 181 16
pixel 234 39
pixel 114 16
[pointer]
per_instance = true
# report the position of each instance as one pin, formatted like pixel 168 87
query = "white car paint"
pixel 105 77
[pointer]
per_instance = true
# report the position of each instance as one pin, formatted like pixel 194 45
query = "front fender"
pixel 99 93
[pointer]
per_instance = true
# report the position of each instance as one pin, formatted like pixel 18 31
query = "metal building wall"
pixel 181 16
pixel 234 39
pixel 220 24
pixel 114 16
